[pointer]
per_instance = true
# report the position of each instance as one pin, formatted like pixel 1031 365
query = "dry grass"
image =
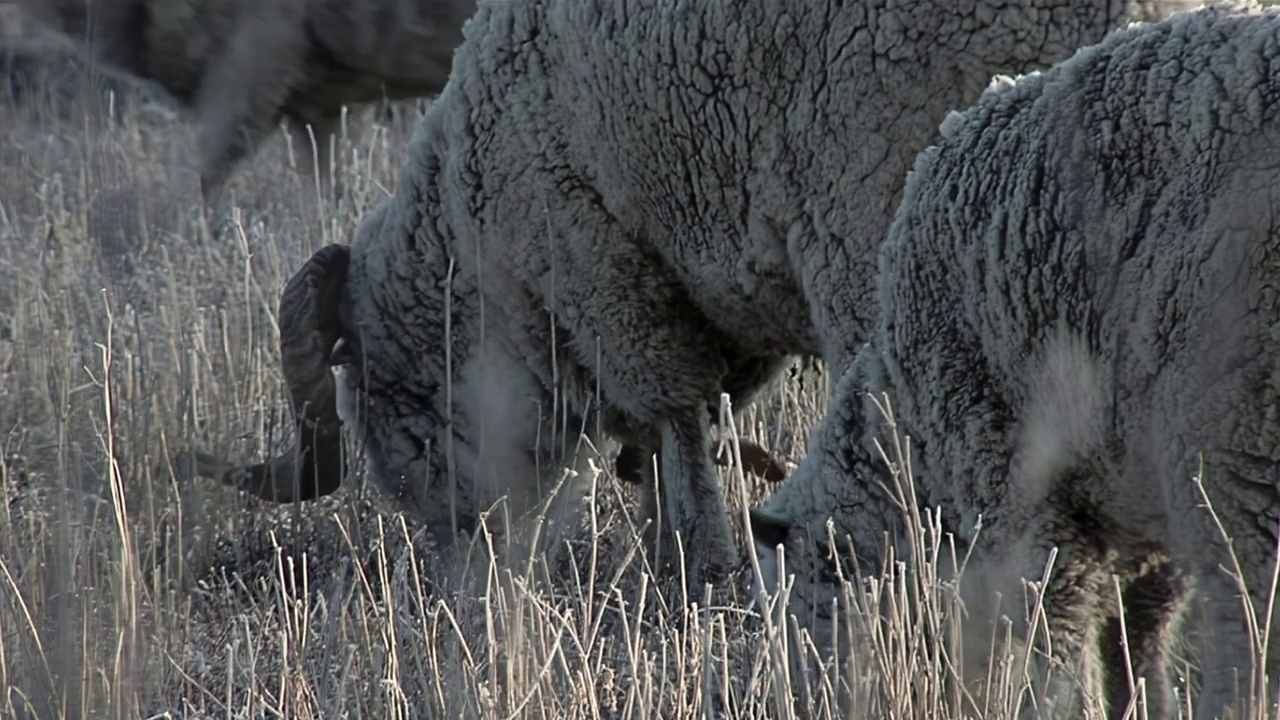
pixel 129 328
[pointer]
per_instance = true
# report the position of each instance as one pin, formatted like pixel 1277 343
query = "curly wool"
pixel 1078 309
pixel 655 201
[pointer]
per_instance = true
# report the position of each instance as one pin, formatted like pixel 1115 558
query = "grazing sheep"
pixel 1080 301
pixel 244 65
pixel 654 200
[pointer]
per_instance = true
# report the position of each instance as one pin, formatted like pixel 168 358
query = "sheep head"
pixel 310 330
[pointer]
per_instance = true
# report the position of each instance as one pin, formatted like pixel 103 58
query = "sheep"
pixel 243 65
pixel 652 202
pixel 1078 306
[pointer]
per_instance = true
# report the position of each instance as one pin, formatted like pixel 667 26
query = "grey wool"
pixel 617 210
pixel 1079 317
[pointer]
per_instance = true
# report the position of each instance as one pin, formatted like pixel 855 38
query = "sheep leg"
pixel 671 505
pixel 1241 493
pixel 1029 511
pixel 692 500
pixel 1073 613
pixel 633 323
pixel 635 464
pixel 1071 604
pixel 1229 658
pixel 1152 602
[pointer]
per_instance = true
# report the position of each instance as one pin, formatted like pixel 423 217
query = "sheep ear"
pixel 768 530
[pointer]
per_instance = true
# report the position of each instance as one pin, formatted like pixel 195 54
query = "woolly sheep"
pixel 243 65
pixel 652 200
pixel 1079 298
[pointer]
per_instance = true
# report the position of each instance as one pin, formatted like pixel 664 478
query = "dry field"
pixel 131 327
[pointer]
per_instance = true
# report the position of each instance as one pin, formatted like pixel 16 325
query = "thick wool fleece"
pixel 1079 311
pixel 657 201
